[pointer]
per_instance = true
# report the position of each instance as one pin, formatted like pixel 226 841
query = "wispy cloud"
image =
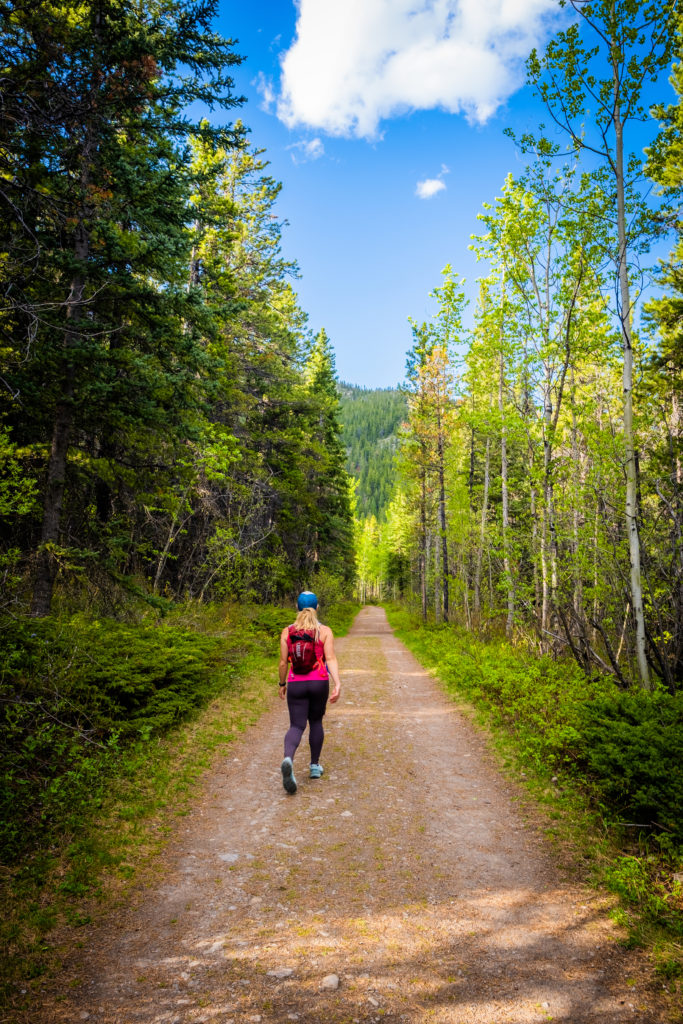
pixel 306 149
pixel 266 89
pixel 354 63
pixel 429 187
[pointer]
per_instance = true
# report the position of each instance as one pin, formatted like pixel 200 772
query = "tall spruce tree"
pixel 331 515
pixel 99 363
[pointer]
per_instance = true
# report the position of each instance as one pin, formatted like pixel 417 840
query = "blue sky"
pixel 356 103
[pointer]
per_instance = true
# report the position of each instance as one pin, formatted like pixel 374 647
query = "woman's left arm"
pixel 332 665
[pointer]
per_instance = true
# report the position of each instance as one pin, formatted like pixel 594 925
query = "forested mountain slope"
pixel 371 418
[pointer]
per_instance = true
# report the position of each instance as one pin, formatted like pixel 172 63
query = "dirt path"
pixel 406 871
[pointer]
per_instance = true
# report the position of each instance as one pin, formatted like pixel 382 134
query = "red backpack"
pixel 301 648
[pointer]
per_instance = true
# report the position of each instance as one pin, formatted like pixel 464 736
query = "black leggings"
pixel 306 700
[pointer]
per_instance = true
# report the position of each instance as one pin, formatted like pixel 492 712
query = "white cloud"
pixel 265 87
pixel 311 149
pixel 356 62
pixel 314 149
pixel 429 187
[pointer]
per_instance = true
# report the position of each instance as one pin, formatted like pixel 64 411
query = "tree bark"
pixel 534 546
pixel 442 520
pixel 437 583
pixel 509 622
pixel 482 531
pixel 423 546
pixel 630 458
pixel 576 502
pixel 46 564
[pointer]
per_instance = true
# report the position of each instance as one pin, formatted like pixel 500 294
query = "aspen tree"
pixel 591 78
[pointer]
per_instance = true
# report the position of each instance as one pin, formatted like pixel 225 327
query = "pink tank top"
pixel 318 672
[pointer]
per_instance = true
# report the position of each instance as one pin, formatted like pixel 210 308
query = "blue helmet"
pixel 306 599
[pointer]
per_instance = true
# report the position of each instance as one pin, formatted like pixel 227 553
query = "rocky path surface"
pixel 407 873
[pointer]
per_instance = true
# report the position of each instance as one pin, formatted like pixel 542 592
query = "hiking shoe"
pixel 316 771
pixel 288 780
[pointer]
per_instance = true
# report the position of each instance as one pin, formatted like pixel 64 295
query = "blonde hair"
pixel 307 619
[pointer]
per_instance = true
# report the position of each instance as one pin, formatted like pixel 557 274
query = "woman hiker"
pixel 307 660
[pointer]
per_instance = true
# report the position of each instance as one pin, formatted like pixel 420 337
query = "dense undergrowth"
pixel 105 726
pixel 615 758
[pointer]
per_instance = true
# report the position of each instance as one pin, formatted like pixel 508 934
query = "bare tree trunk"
pixel 193 277
pixel 437 582
pixel 442 522
pixel 596 575
pixel 482 532
pixel 470 476
pixel 549 532
pixel 466 593
pixel 46 565
pixel 576 501
pixel 509 622
pixel 423 547
pixel 428 555
pixel 534 548
pixel 176 526
pixel 543 551
pixel 596 540
pixel 630 459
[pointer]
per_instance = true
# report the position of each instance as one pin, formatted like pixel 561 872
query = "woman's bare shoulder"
pixel 325 632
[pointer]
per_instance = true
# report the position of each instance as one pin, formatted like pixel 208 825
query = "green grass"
pixel 606 765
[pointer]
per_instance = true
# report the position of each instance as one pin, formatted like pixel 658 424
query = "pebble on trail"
pixel 330 982
pixel 280 973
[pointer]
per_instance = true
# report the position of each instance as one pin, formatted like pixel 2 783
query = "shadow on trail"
pixel 393 967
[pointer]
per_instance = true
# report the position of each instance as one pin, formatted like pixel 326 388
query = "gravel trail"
pixel 407 872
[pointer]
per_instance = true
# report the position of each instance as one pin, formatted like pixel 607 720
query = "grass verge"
pixel 586 756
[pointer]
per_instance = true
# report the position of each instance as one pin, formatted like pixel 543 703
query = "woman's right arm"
pixel 284 664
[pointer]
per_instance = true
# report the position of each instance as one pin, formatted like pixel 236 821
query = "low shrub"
pixel 631 748
pixel 72 694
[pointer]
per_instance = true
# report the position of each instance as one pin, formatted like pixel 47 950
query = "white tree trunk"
pixel 630 456
pixel 482 531
pixel 509 622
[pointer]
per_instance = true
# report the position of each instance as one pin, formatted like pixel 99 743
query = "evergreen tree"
pixel 100 365
pixel 329 485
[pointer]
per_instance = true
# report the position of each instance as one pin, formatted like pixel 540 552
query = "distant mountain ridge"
pixel 371 418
